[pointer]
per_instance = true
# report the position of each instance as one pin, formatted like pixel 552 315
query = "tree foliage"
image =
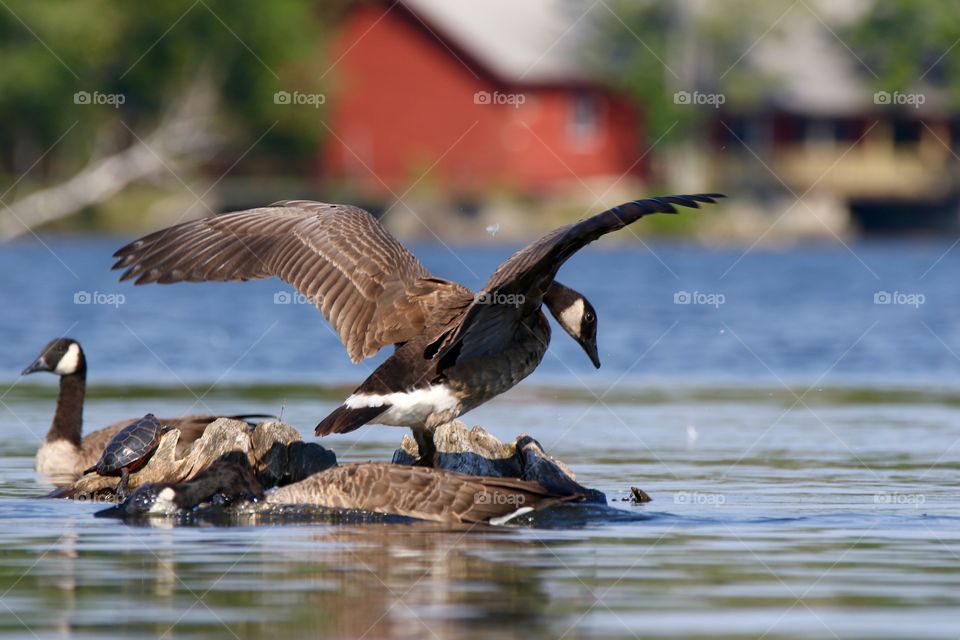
pixel 655 49
pixel 148 53
pixel 909 45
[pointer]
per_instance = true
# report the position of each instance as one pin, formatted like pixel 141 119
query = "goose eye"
pixel 588 317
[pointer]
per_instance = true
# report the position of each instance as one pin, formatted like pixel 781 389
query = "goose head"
pixel 229 479
pixel 61 356
pixel 577 317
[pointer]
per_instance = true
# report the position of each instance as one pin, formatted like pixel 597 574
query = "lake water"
pixel 799 438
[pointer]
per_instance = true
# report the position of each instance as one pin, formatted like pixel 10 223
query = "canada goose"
pixel 377 487
pixel 454 349
pixel 418 492
pixel 65 453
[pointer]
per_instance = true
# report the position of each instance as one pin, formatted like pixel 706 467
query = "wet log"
pixel 274 450
pixel 477 452
pixel 233 462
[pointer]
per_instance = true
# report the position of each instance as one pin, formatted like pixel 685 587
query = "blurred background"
pixel 472 128
pixel 497 119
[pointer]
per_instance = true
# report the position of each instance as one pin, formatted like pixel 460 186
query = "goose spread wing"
pixel 520 282
pixel 366 284
pixel 531 270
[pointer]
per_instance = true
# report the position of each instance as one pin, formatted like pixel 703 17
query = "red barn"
pixel 470 96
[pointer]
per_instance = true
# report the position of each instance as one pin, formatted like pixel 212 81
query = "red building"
pixel 470 96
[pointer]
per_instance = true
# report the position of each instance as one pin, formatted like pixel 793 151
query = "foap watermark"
pixel 97 98
pixel 899 98
pixel 497 97
pixel 97 497
pixel 699 297
pixel 291 297
pixel 700 499
pixel 508 299
pixel 510 499
pixel 99 298
pixel 699 98
pixel 899 298
pixel 901 499
pixel 298 98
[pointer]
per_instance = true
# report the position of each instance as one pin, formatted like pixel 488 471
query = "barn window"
pixel 584 122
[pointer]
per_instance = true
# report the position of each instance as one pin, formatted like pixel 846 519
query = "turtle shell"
pixel 131 447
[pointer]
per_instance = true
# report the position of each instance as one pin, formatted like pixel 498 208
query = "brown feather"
pixel 416 492
pixel 366 284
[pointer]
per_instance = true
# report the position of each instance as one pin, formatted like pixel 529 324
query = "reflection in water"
pixel 410 581
pixel 376 580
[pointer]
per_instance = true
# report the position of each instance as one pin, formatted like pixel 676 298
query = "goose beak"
pixel 592 352
pixel 38 365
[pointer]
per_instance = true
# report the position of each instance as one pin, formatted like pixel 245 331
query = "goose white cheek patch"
pixel 69 362
pixel 571 316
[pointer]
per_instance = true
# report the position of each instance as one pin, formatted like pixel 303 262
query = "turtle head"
pixel 62 356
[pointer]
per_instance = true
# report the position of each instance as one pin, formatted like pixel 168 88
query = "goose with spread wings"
pixel 454 348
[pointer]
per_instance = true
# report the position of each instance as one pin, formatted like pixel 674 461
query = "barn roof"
pixel 519 41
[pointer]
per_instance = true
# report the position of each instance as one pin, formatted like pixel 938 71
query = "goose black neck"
pixel 558 297
pixel 68 419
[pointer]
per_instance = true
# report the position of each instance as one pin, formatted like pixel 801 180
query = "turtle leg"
pixel 122 487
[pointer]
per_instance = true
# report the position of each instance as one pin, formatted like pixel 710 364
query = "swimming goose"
pixel 65 453
pixel 455 349
pixel 377 487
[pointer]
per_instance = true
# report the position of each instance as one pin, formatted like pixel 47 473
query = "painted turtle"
pixel 129 450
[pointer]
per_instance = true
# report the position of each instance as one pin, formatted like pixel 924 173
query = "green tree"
pixel 655 49
pixel 149 53
pixel 909 45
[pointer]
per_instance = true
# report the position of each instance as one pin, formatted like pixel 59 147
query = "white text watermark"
pixel 699 98
pixel 97 98
pixel 99 298
pixel 909 499
pixel 899 298
pixel 898 97
pixel 509 299
pixel 700 499
pixel 497 97
pixel 298 98
pixel 699 297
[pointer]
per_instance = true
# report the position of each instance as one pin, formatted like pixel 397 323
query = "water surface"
pixel 800 443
